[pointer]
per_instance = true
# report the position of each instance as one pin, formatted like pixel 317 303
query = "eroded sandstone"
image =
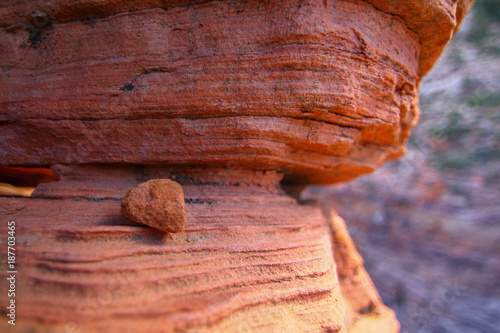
pixel 249 259
pixel 324 90
pixel 230 99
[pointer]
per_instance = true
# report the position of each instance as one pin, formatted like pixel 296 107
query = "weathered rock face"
pixel 228 98
pixel 249 259
pixel 325 90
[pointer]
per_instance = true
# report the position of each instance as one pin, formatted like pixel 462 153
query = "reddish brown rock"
pixel 434 21
pixel 324 90
pixel 158 203
pixel 365 311
pixel 249 259
pixel 228 98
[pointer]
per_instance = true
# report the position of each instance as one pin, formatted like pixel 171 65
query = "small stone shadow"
pixel 144 234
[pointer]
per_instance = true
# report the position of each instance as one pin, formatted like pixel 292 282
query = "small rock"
pixel 158 203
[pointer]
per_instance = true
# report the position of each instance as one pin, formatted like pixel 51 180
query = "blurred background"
pixel 428 225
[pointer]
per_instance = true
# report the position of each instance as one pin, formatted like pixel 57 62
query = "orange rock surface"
pixel 158 203
pixel 230 99
pixel 325 90
pixel 249 259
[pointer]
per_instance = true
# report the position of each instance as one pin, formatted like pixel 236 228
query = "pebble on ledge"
pixel 158 203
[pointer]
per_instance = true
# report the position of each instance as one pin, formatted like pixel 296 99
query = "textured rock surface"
pixel 434 215
pixel 249 259
pixel 325 90
pixel 365 311
pixel 158 203
pixel 434 21
pixel 312 91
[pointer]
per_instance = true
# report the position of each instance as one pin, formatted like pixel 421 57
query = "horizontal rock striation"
pixel 250 259
pixel 324 90
pixel 230 99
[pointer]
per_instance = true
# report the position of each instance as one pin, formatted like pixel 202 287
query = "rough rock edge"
pixel 449 15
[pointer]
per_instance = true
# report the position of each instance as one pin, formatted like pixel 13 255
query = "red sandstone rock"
pixel 227 98
pixel 158 203
pixel 249 259
pixel 324 90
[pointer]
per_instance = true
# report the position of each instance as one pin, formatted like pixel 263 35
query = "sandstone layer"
pixel 250 259
pixel 228 98
pixel 324 90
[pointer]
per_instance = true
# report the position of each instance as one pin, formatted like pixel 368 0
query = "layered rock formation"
pixel 228 98
pixel 249 259
pixel 325 90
